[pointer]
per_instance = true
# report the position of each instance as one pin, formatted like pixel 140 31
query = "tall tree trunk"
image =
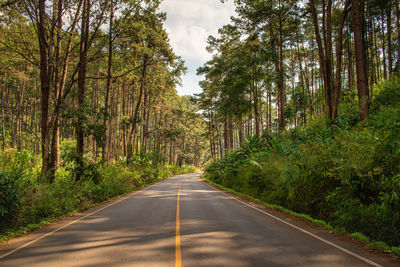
pixel 389 35
pixel 80 133
pixel 339 52
pixel 270 109
pixel 325 55
pixel 372 64
pixel 44 86
pixel 230 136
pixel 281 87
pixel 361 61
pixel 309 92
pixel 104 154
pixel 376 54
pixel 146 121
pixel 94 105
pixel 255 106
pixel 321 53
pixel 302 78
pixel 3 116
pixel 329 93
pixel 241 137
pixel 213 126
pixel 398 34
pixel 221 151
pixel 59 81
pixel 19 114
pixel 226 140
pixel 384 47
pixel 210 135
pixel 136 112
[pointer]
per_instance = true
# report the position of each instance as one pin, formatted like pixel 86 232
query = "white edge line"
pixel 302 230
pixel 77 220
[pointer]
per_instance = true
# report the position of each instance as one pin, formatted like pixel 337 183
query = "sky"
pixel 189 23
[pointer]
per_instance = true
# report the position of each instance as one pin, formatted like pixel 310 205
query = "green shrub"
pixel 360 237
pixel 346 173
pixel 68 151
pixel 387 93
pixel 12 161
pixel 27 201
pixel 396 250
pixel 89 172
pixel 9 196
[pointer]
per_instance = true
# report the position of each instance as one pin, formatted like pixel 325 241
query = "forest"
pixel 89 107
pixel 302 104
pixel 300 108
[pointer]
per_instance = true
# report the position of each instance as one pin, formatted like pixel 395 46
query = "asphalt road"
pixel 210 229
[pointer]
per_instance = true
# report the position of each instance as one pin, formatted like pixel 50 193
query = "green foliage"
pixel 360 237
pixel 387 93
pixel 68 151
pixel 27 201
pixel 89 172
pixel 348 115
pixel 9 198
pixel 346 173
pixel 396 250
pixel 12 161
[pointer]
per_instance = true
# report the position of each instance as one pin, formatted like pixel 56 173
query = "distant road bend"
pixel 182 222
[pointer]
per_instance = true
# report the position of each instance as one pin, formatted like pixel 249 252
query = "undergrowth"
pixel 346 173
pixel 27 201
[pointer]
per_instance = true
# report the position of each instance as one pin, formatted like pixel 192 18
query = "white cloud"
pixel 189 23
pixel 189 42
pixel 207 13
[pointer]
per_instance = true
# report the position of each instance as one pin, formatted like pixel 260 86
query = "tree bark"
pixel 44 86
pixel 279 80
pixel 58 88
pixel 339 52
pixel 80 133
pixel 19 115
pixel 398 34
pixel 384 47
pixel 281 87
pixel 136 112
pixel 104 155
pixel 361 61
pixel 389 36
pixel 325 55
pixel 3 116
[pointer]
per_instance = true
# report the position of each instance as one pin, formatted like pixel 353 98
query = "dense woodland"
pixel 300 108
pixel 282 63
pixel 98 72
pixel 89 108
pixel 302 104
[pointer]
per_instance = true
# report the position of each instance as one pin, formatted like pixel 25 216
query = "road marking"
pixel 178 260
pixel 302 230
pixel 77 220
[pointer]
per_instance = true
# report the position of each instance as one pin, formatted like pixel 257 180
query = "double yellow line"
pixel 178 260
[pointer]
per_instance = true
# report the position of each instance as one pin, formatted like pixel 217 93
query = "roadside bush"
pixel 27 200
pixel 12 161
pixel 346 173
pixel 68 151
pixel 89 172
pixel 9 196
pixel 387 93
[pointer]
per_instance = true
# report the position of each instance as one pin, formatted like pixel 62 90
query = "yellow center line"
pixel 178 262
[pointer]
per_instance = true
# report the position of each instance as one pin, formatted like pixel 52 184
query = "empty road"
pixel 182 221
